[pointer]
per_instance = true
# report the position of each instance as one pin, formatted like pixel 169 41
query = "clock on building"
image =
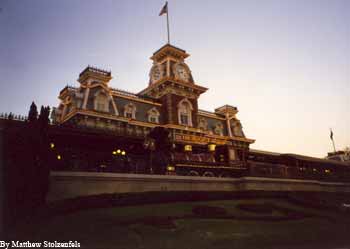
pixel 181 72
pixel 156 73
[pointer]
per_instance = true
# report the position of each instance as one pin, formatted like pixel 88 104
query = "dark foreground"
pixel 240 223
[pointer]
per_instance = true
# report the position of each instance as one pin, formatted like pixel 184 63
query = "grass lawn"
pixel 174 225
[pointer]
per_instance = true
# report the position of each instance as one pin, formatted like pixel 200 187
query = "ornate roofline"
pixel 147 124
pixel 96 70
pixel 135 97
pixel 209 114
pixel 169 49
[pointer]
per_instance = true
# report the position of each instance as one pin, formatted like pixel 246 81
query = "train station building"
pixel 199 139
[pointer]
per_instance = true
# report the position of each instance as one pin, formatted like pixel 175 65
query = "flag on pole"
pixel 331 136
pixel 164 9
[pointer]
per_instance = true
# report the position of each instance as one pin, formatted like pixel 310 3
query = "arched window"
pixel 203 124
pixel 130 111
pixel 184 110
pixel 101 102
pixel 218 129
pixel 153 115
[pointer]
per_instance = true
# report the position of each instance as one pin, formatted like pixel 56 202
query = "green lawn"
pixel 126 227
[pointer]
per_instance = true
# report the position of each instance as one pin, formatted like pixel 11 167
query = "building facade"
pixel 170 101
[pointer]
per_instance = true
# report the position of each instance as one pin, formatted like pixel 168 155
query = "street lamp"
pixel 188 148
pixel 150 145
pixel 211 147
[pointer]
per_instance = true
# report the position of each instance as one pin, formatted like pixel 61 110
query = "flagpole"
pixel 333 141
pixel 167 21
pixel 334 146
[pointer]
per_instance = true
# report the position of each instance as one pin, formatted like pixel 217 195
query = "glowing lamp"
pixel 170 168
pixel 123 153
pixel 118 151
pixel 52 145
pixel 211 147
pixel 59 157
pixel 114 152
pixel 327 171
pixel 188 147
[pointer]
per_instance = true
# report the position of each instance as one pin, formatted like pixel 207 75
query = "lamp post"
pixel 211 149
pixel 149 144
pixel 188 148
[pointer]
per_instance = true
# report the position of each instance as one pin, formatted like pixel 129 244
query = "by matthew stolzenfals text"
pixel 43 244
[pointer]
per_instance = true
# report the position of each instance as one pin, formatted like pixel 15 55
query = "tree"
pixel 44 116
pixel 162 148
pixel 161 136
pixel 33 113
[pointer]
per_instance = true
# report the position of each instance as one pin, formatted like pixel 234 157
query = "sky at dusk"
pixel 284 64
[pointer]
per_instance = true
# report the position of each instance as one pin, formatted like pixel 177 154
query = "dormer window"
pixel 219 129
pixel 130 111
pixel 101 106
pixel 101 102
pixel 203 124
pixel 237 128
pixel 185 112
pixel 153 115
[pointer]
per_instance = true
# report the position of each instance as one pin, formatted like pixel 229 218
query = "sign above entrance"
pixel 198 139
